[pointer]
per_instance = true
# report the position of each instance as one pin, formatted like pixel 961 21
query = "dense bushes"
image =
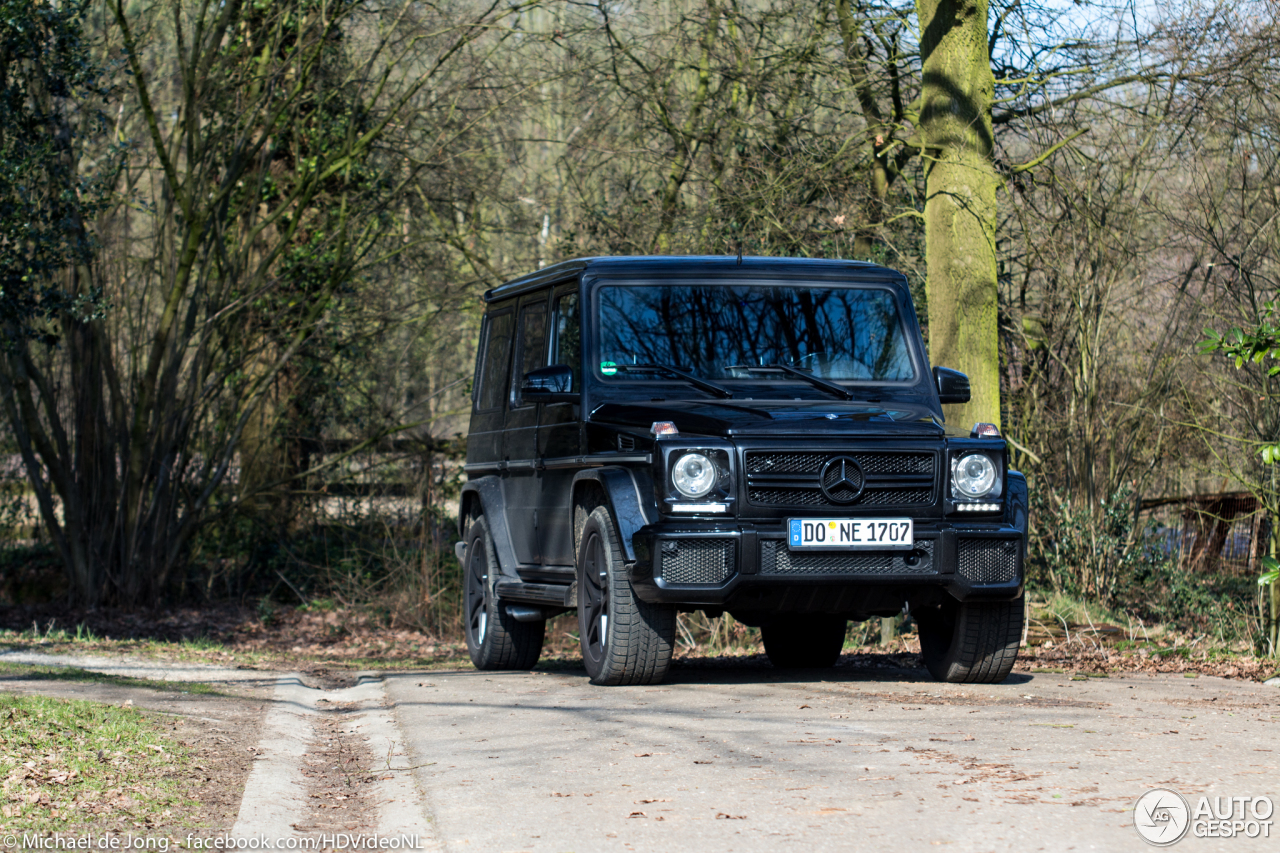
pixel 1110 558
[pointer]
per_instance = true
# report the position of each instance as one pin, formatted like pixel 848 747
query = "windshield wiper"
pixel 830 387
pixel 696 382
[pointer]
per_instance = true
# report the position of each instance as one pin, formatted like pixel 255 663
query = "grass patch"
pixel 37 672
pixel 1058 608
pixel 70 764
pixel 81 640
pixel 203 643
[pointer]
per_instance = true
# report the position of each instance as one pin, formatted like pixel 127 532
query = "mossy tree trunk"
pixel 955 131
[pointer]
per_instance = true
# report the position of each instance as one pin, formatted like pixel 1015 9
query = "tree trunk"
pixel 960 205
pixel 1273 593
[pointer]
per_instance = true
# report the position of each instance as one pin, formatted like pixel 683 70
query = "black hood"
pixel 726 418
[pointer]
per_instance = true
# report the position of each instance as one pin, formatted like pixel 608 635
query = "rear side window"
pixel 568 332
pixel 533 343
pixel 496 360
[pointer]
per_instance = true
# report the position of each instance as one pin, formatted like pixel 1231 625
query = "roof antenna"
pixel 739 253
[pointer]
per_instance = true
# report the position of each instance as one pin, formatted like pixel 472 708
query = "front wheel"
pixel 495 640
pixel 974 642
pixel 624 640
pixel 811 640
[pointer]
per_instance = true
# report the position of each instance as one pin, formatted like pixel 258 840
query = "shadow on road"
pixel 896 668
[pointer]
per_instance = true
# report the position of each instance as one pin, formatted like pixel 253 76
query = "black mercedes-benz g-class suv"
pixel 762 436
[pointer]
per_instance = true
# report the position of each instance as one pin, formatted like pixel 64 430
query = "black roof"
pixel 665 264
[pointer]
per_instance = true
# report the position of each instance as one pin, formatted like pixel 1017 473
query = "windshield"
pixel 720 331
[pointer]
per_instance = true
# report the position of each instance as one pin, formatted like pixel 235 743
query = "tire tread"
pixel 509 643
pixel 642 634
pixel 983 643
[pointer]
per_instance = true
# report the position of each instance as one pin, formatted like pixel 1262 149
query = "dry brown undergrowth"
pixel 337 640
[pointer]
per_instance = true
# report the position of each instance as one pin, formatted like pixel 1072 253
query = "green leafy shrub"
pixel 1081 551
pixel 1104 557
pixel 1215 606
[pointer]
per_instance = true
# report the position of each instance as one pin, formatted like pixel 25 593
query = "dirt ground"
pixel 337 769
pixel 221 730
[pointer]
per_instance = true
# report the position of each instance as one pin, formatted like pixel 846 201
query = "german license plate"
pixel 839 534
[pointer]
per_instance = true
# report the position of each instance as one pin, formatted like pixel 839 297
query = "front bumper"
pixel 737 565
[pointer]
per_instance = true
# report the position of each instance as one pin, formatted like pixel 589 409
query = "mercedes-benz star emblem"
pixel 841 479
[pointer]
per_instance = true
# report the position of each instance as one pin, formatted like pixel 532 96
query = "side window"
pixel 568 331
pixel 497 359
pixel 533 344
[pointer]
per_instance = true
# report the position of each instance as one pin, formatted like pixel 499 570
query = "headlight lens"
pixel 973 475
pixel 694 475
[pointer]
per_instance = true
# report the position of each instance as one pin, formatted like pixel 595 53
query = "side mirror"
pixel 953 386
pixel 551 384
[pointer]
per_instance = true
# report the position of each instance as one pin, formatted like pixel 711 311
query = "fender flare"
pixel 1018 506
pixel 487 491
pixel 624 500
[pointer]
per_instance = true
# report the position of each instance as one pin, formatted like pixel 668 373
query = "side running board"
pixel 555 594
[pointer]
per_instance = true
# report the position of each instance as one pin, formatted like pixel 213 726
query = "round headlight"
pixel 973 476
pixel 693 475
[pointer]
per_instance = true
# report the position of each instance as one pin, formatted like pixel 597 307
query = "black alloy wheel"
pixel 624 640
pixel 477 593
pixel 495 639
pixel 593 602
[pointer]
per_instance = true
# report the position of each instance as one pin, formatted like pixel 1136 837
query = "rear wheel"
pixel 624 640
pixel 974 642
pixel 808 641
pixel 495 640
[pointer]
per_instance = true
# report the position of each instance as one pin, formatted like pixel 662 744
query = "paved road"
pixel 745 759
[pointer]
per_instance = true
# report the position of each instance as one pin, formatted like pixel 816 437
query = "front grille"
pixel 793 478
pixel 777 559
pixel 988 560
pixel 813 497
pixel 872 462
pixel 696 561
